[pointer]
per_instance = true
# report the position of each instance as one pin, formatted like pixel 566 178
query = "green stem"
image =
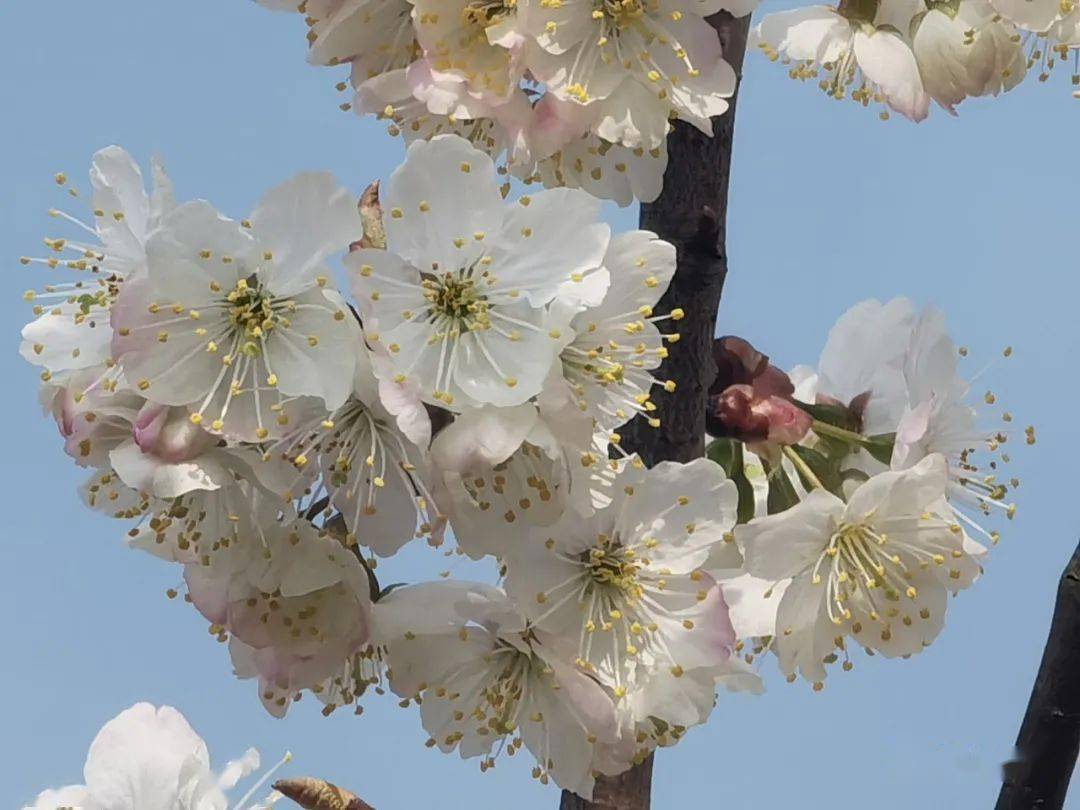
pixel 803 467
pixel 825 429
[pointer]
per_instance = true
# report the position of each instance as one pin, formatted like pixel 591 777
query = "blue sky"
pixel 829 206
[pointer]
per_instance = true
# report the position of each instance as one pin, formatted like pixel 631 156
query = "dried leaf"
pixel 316 794
pixel 371 217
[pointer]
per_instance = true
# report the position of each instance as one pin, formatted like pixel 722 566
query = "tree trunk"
pixel 1046 749
pixel 690 213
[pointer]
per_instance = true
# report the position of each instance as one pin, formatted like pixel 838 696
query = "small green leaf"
pixel 881 446
pixel 728 453
pixel 831 414
pixel 782 494
pixel 825 467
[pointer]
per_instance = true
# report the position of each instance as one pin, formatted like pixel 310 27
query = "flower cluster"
pixel 570 93
pixel 251 425
pixel 149 757
pixel 899 55
pixel 874 505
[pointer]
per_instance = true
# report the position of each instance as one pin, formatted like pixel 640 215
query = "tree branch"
pixel 1049 739
pixel 691 213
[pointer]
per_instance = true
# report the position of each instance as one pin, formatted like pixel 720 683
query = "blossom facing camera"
pixel 460 296
pixel 877 569
pixel 236 321
pixel 629 588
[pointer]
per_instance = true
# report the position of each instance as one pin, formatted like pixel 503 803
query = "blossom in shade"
pixel 294 615
pixel 849 55
pixel 236 321
pixel 460 297
pixel 486 682
pixel 499 467
pixel 149 758
pixel 967 51
pixel 374 37
pixel 371 471
pixel 474 39
pixel 645 60
pixel 1051 32
pixel 877 569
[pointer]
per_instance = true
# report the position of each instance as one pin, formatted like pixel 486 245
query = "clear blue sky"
pixel 829 206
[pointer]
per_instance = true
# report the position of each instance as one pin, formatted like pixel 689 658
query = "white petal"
pixel 423 207
pixel 136 759
pixel 301 223
pixel 783 545
pixel 549 241
pixel 887 61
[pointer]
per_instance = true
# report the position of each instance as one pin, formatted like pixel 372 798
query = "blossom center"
pixel 455 297
pixel 612 566
pixel 251 309
pixel 486 13
pixel 862 563
pixel 619 13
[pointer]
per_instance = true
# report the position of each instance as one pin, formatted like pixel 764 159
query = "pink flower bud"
pixel 169 435
pixel 744 413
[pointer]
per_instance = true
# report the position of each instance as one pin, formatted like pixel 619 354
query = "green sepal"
pixel 728 453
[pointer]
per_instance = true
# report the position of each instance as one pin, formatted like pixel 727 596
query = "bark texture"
pixel 691 213
pixel 1049 739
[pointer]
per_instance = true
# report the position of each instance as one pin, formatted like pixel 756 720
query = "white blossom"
pixel 899 369
pixel 371 471
pixel 877 569
pixel 486 682
pixel 235 320
pixel 607 366
pixel 294 614
pixel 149 758
pixel 644 59
pixel 967 51
pixel 628 588
pixel 72 330
pixel 862 57
pixel 496 467
pixel 459 298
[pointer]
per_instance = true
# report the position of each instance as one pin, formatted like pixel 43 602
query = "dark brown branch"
pixel 1049 740
pixel 691 213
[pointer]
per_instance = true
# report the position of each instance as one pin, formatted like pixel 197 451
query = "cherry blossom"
pixel 967 51
pixel 487 675
pixel 372 472
pixel 460 296
pixel 628 587
pixel 72 331
pixel 607 366
pixel 295 613
pixel 236 321
pixel 877 568
pixel 858 49
pixel 644 59
pixel 149 758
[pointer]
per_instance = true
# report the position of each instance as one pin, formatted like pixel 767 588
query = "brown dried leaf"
pixel 316 794
pixel 371 217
